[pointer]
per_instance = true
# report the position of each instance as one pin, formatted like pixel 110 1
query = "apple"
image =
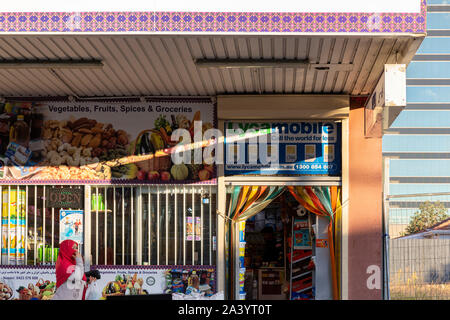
pixel 165 176
pixel 209 168
pixel 153 175
pixel 204 174
pixel 141 175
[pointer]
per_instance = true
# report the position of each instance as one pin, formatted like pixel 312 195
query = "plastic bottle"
pixel 20 132
pixel 37 123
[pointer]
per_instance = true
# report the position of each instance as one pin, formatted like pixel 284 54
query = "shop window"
pixel 126 225
pixel 153 225
pixel 31 226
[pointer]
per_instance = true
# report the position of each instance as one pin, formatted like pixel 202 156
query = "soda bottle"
pixel 20 132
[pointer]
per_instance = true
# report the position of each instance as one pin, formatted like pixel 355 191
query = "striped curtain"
pixel 244 203
pixel 323 201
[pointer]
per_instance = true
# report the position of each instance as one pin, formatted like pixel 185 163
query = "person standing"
pixel 91 291
pixel 70 278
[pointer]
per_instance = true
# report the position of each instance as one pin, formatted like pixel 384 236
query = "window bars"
pixel 123 225
pixel 29 228
pixel 153 225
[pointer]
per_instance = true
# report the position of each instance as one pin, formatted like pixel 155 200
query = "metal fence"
pixel 154 225
pixel 419 246
pixel 123 225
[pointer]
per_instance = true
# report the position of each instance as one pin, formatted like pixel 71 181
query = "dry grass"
pixel 416 289
pixel 421 292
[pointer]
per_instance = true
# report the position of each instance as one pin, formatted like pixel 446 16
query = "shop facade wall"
pixel 364 209
pixel 280 107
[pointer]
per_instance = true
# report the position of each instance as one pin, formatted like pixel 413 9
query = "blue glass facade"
pixel 418 142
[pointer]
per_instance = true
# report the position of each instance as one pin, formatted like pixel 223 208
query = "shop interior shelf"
pixel 301 259
pixel 304 289
pixel 300 275
pixel 101 211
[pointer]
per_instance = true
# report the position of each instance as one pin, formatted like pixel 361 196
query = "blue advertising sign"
pixel 71 225
pixel 283 148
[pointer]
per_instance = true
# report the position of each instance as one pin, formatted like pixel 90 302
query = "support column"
pixel 364 209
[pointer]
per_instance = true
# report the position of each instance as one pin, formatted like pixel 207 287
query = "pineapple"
pixel 193 168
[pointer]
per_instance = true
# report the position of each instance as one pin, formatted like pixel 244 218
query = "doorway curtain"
pixel 325 202
pixel 247 201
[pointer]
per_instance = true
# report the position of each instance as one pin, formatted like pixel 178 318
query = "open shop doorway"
pixel 284 253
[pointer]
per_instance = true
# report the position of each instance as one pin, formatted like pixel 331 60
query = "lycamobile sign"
pixel 285 127
pixel 283 147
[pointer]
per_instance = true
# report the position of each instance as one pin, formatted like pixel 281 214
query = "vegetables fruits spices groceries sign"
pixel 90 142
pixel 283 147
pixel 39 283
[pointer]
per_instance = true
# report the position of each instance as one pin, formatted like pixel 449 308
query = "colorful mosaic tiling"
pixel 204 22
pixel 105 182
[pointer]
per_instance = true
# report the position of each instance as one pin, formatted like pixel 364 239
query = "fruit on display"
pixel 165 176
pixel 153 175
pixel 194 169
pixel 183 122
pixel 132 171
pixel 111 162
pixel 157 141
pixel 204 174
pixel 156 144
pixel 209 168
pixel 141 175
pixel 166 138
pixel 161 122
pixel 179 171
pixel 144 145
pixel 195 118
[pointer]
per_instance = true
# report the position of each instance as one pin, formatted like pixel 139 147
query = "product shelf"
pixel 301 259
pixel 304 289
pixel 300 275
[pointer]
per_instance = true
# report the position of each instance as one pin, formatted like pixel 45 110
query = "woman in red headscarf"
pixel 70 278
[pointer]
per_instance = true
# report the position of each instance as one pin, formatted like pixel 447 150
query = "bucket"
pixel 242 296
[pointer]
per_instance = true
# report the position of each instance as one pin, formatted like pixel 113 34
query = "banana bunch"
pixel 157 141
pixel 127 171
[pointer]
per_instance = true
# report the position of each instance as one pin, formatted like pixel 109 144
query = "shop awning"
pixel 153 65
pixel 203 49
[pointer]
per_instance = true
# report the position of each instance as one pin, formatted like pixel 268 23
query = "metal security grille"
pixel 419 257
pixel 152 225
pixel 29 228
pixel 123 225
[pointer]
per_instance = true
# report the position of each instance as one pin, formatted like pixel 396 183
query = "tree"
pixel 428 215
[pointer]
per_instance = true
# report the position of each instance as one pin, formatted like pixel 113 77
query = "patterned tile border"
pixel 222 22
pixel 119 182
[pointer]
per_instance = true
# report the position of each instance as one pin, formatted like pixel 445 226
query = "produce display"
pixel 40 143
pixel 190 281
pixel 42 290
pixel 6 292
pixel 124 285
pixel 81 149
pixel 157 143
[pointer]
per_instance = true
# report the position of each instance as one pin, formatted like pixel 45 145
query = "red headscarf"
pixel 65 264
